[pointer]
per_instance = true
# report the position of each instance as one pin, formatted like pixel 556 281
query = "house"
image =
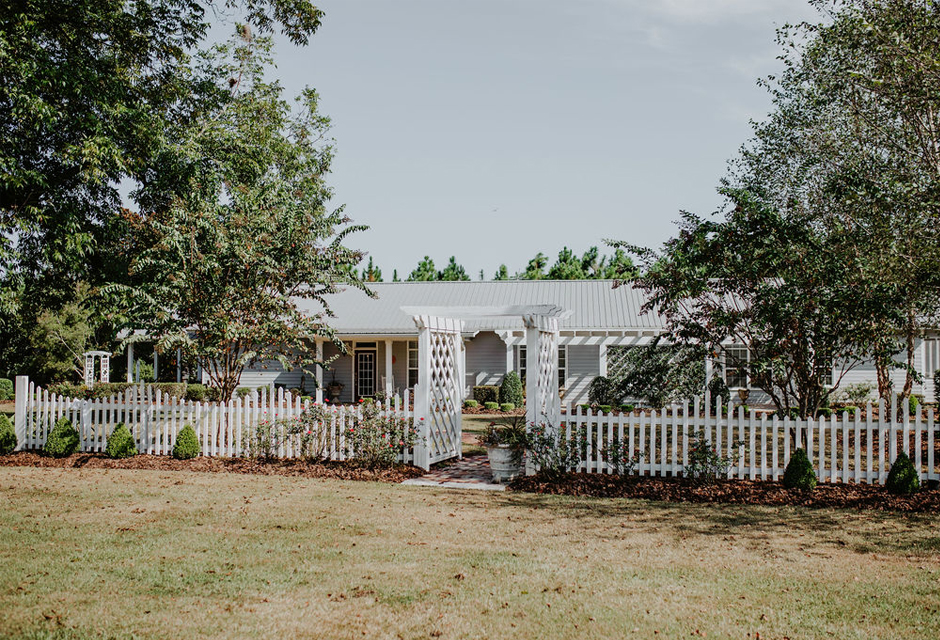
pixel 598 320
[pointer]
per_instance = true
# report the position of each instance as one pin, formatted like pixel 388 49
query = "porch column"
pixel 156 366
pixel 179 367
pixel 130 362
pixel 319 371
pixel 388 371
pixel 510 364
pixel 602 360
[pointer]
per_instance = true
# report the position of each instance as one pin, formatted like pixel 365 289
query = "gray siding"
pixel 270 372
pixel 583 366
pixel 486 359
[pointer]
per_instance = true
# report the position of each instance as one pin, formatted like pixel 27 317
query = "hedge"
pixel 486 393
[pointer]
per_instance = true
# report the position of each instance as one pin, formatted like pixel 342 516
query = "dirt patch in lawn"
pixel 753 492
pixel 299 468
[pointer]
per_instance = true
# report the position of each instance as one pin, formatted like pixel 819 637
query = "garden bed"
pixel 301 468
pixel 751 492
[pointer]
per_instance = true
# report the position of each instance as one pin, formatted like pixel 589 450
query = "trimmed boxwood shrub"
pixel 7 436
pixel 471 404
pixel 510 390
pixel 507 406
pixel 243 392
pixel 627 408
pixel 213 394
pixel 486 393
pixel 902 479
pixel 491 406
pixel 108 389
pixel 605 408
pixel 186 445
pixel 120 443
pixel 63 441
pixel 799 473
pixel 585 407
pixel 6 389
pixel 196 392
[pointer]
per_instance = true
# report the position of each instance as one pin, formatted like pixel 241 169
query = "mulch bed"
pixel 298 468
pixel 753 492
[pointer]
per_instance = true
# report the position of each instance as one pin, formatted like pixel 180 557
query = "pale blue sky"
pixel 494 129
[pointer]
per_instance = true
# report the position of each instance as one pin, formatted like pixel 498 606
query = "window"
pixel 521 361
pixel 412 363
pixel 562 366
pixel 735 363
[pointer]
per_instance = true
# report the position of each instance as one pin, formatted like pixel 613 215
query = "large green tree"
pixel 218 273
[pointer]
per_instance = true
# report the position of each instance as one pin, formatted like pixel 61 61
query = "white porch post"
pixel 179 367
pixel 319 371
pixel 156 366
pixel 462 368
pixel 602 360
pixel 21 394
pixel 708 370
pixel 130 361
pixel 510 364
pixel 388 371
pixel 422 453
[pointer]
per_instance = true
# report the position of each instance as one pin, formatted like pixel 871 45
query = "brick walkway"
pixel 473 472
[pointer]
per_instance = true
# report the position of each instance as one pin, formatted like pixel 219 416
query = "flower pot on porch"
pixel 505 462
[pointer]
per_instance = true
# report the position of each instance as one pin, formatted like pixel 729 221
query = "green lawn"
pixel 92 553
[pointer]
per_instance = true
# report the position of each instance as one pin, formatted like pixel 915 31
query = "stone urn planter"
pixel 505 462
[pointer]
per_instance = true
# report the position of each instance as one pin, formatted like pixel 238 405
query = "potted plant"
pixel 505 444
pixel 334 388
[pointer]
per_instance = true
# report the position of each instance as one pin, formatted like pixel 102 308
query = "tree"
pixel 660 374
pixel 566 267
pixel 219 272
pixel 424 272
pixel 453 271
pixel 502 273
pixel 371 273
pixel 535 270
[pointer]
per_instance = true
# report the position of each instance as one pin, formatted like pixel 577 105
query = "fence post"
pixel 19 415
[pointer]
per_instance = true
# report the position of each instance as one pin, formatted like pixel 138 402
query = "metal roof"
pixel 594 305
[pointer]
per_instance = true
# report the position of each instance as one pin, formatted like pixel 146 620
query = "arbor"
pixel 218 273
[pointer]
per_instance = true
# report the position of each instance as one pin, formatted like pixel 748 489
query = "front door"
pixel 365 373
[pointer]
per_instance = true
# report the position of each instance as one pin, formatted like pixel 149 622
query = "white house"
pixel 381 337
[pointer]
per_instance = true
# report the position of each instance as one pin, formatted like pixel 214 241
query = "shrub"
pixel 824 412
pixel 510 390
pixel 62 441
pixel 196 392
pixel 603 391
pixel 718 388
pixel 605 408
pixel 584 407
pixel 857 394
pixel 554 455
pixel 913 404
pixel 799 473
pixel 486 393
pixel 627 408
pixel 377 439
pixel 471 404
pixel 213 394
pixel 6 389
pixel 243 392
pixel 120 443
pixel 490 406
pixel 264 441
pixel 616 454
pixel 903 478
pixel 509 431
pixel 187 444
pixel 507 406
pixel 705 463
pixel 7 436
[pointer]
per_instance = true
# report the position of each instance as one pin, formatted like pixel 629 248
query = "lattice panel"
pixel 438 399
pixel 617 361
pixel 543 404
pixel 547 381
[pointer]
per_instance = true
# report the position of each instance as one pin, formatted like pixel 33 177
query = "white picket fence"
pixel 155 420
pixel 844 448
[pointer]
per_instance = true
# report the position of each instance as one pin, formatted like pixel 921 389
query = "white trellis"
pixel 439 395
pixel 543 404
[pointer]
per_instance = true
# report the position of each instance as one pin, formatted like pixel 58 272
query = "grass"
pixel 91 553
pixel 474 425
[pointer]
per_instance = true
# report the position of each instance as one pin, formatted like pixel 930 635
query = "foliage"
pixel 705 463
pixel 109 389
pixel 857 393
pixel 196 392
pixel 616 453
pixel 187 444
pixel 659 374
pixel 507 406
pixel 424 272
pixel 371 273
pixel 471 404
pixel 218 269
pixel 313 429
pixel 799 473
pixel 6 389
pixel 7 436
pixel 453 271
pixel 551 453
pixel 57 339
pixel 627 408
pixel 509 431
pixel 718 388
pixel 243 392
pixel 486 393
pixel 491 406
pixel 120 443
pixel 605 408
pixel 378 438
pixel 903 478
pixel 63 440
pixel 510 389
pixel 603 391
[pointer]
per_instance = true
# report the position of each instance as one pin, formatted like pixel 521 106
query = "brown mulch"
pixel 298 468
pixel 494 413
pixel 753 492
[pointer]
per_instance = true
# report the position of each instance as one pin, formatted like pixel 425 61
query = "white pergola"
pixel 442 362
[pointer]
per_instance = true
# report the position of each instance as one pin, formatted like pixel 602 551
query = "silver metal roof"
pixel 594 305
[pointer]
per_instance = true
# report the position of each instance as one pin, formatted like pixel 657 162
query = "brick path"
pixel 473 472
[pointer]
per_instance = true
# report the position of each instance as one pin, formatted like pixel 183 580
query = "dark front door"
pixel 365 374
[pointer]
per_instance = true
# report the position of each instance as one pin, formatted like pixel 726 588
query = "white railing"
pixel 846 447
pixel 223 429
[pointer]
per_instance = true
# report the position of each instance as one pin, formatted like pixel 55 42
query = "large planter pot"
pixel 333 390
pixel 505 462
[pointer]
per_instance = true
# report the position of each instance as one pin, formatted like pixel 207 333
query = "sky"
pixel 491 130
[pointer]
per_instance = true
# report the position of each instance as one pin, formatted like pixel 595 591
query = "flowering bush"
pixel 377 438
pixel 553 454
pixel 264 440
pixel 616 454
pixel 705 463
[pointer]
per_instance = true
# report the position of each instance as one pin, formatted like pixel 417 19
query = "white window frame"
pixel 412 350
pixel 521 361
pixel 562 366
